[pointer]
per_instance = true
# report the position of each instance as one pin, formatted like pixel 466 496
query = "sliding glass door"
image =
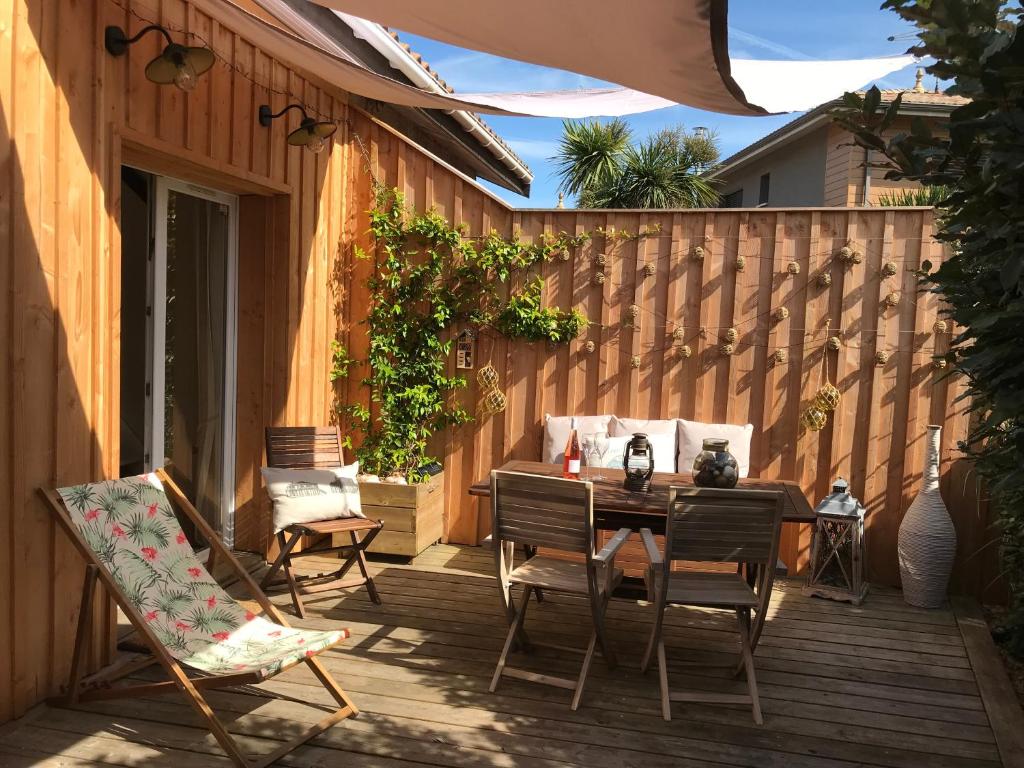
pixel 189 418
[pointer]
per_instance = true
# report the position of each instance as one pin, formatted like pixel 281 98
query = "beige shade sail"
pixel 343 73
pixel 701 78
pixel 673 49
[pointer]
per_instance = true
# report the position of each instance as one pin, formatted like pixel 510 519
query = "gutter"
pixel 400 59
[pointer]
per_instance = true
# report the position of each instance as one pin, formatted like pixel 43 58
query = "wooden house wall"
pixel 72 115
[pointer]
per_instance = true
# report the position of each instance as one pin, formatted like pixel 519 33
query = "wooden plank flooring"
pixel 880 685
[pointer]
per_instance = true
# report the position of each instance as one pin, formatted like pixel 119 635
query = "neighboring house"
pixel 812 162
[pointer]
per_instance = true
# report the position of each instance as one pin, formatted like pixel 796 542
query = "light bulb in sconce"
pixel 316 144
pixel 185 78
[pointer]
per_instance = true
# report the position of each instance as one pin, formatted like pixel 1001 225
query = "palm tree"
pixel 589 154
pixel 601 166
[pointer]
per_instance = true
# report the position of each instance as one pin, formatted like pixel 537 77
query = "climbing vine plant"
pixel 429 280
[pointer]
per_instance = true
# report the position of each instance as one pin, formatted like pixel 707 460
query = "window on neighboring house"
pixel 762 195
pixel 732 200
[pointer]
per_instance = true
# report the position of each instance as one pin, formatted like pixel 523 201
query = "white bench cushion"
pixel 556 433
pixel 693 433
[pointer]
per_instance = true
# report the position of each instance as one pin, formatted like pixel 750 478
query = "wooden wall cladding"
pixel 72 115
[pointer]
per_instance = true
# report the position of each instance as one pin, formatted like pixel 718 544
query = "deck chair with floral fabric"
pixel 132 542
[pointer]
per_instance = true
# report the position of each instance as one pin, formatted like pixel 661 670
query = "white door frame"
pixel 157 322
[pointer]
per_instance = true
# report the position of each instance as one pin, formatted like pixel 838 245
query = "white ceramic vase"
pixel 927 538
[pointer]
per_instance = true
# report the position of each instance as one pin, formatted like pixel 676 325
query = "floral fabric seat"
pixel 131 527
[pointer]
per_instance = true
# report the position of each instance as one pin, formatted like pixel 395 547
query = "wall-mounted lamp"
pixel 311 134
pixel 180 65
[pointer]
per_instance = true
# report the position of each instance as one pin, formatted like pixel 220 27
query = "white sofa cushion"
pixel 664 447
pixel 308 495
pixel 619 427
pixel 691 441
pixel 556 433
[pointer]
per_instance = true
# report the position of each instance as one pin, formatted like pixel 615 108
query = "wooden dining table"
pixel 615 507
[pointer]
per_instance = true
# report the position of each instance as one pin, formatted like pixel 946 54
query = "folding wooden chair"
pixel 721 526
pixel 558 514
pixel 133 544
pixel 309 448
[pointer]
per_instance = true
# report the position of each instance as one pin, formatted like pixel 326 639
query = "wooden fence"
pixel 761 275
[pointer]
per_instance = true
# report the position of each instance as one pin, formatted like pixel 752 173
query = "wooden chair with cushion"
pixel 314 448
pixel 129 535
pixel 555 514
pixel 720 526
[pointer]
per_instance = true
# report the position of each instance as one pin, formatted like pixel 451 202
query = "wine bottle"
pixel 571 462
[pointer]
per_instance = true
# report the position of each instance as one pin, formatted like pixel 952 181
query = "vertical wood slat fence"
pixel 875 438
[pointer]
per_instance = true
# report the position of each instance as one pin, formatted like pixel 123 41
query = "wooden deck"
pixel 880 685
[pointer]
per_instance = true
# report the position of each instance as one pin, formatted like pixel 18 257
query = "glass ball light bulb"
pixel 316 144
pixel 186 78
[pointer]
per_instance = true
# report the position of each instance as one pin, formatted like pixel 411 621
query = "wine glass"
pixel 588 449
pixel 601 445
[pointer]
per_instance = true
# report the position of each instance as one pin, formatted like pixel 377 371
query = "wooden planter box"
pixel 413 515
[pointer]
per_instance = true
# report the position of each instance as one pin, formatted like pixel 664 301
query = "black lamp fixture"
pixel 180 65
pixel 311 134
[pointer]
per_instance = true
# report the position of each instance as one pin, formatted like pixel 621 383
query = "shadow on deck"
pixel 882 685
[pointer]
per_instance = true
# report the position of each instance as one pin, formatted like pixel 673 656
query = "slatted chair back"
pixel 543 512
pixel 304 447
pixel 723 525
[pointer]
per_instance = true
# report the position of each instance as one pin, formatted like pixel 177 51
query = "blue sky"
pixel 777 29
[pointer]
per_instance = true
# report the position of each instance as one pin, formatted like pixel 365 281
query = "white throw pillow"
pixel 556 433
pixel 691 441
pixel 664 447
pixel 621 427
pixel 308 495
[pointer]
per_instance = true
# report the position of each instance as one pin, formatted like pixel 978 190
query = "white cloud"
pixel 761 43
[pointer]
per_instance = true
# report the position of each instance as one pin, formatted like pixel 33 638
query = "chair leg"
pixel 360 558
pixel 666 703
pixel 82 633
pixel 582 680
pixel 651 644
pixel 597 611
pixel 513 632
pixel 743 619
pixel 286 565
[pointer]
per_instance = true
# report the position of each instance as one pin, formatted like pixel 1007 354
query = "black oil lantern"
pixel 638 461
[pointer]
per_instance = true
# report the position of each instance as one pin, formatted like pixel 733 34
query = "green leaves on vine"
pixel 430 279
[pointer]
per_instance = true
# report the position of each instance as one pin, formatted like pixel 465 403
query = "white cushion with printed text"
pixel 307 495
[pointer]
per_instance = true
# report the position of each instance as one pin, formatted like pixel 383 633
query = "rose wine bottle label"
pixel 571 462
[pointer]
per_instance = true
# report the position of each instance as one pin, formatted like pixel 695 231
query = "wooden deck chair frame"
pixel 192 687
pixel 692 533
pixel 310 448
pixel 557 514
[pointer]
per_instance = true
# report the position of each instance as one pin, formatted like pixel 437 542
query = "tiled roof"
pixel 440 81
pixel 924 97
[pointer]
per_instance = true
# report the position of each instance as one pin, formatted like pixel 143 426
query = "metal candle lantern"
pixel 837 551
pixel 638 461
